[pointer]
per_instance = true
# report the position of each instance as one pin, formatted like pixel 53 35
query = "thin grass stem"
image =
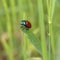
pixel 42 29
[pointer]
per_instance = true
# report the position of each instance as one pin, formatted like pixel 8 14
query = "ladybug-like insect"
pixel 26 24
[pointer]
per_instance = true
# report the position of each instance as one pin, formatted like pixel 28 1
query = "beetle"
pixel 26 24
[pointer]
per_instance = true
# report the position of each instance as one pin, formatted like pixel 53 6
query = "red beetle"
pixel 26 23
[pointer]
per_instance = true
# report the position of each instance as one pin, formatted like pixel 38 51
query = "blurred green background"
pixel 44 16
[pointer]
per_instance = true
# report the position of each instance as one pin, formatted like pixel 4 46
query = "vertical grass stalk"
pixel 42 29
pixel 50 8
pixel 8 28
pixel 20 10
pixel 13 10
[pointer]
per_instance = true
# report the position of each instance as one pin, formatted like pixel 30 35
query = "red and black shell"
pixel 26 23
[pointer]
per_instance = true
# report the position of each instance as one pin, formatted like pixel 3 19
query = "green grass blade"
pixel 8 27
pixel 13 11
pixel 34 40
pixel 20 10
pixel 8 22
pixel 14 25
pixel 25 46
pixel 42 29
pixel 51 7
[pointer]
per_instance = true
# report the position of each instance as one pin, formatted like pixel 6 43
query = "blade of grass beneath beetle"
pixel 34 40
